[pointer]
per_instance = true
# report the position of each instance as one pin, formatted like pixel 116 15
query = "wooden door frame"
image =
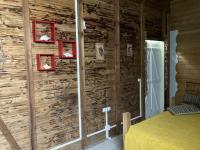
pixel 142 52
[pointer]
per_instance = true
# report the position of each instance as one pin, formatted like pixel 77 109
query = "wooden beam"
pixel 126 123
pixel 116 93
pixel 28 58
pixel 164 34
pixel 8 136
pixel 82 72
pixel 142 53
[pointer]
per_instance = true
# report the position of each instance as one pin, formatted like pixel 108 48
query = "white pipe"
pixel 100 131
pixel 79 95
pixel 78 68
pixel 140 89
pixel 104 130
pixel 135 118
pixel 78 80
pixel 65 144
pixel 106 126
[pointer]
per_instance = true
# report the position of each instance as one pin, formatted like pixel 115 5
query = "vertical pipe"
pixel 140 90
pixel 78 68
pixel 106 126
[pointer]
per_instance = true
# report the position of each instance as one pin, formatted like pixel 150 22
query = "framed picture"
pixel 44 31
pixel 100 51
pixel 67 49
pixel 129 50
pixel 46 62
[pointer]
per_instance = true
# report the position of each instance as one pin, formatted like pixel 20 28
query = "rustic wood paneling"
pixel 185 19
pixel 14 109
pixel 130 27
pixel 153 19
pixel 55 92
pixel 116 54
pixel 99 17
pixel 129 66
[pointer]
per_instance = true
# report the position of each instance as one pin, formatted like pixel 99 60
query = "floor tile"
pixel 113 144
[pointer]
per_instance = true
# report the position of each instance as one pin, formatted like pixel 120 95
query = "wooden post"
pixel 82 72
pixel 126 123
pixel 117 61
pixel 168 49
pixel 142 43
pixel 28 58
pixel 5 131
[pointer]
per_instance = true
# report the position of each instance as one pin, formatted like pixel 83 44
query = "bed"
pixel 164 131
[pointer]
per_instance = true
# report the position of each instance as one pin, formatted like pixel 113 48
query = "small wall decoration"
pixel 100 51
pixel 43 31
pixel 67 49
pixel 84 25
pixel 46 62
pixel 129 50
pixel 2 57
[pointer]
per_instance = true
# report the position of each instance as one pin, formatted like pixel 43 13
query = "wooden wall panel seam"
pixel 142 43
pixel 116 91
pixel 82 73
pixel 30 83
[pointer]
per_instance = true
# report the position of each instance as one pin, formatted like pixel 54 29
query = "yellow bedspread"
pixel 165 132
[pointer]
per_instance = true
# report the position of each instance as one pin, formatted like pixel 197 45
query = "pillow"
pixel 184 109
pixel 192 99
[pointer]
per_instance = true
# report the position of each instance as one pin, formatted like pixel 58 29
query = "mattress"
pixel 165 132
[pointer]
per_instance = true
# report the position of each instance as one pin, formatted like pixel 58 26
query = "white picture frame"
pixel 130 50
pixel 100 52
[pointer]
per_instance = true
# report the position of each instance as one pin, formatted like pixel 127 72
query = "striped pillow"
pixel 184 109
pixel 192 99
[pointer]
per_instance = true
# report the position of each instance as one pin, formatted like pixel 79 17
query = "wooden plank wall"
pixel 153 19
pixel 56 92
pixel 185 19
pixel 129 66
pixel 99 17
pixel 14 108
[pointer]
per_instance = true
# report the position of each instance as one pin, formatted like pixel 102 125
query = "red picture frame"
pixel 61 49
pixel 36 32
pixel 40 65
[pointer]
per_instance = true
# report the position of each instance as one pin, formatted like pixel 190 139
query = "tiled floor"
pixel 113 144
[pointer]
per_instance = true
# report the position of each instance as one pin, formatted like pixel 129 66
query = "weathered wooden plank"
pixel 116 90
pixel 8 136
pixel 28 54
pixel 13 89
pixel 82 73
pixel 142 53
pixel 126 123
pixel 99 17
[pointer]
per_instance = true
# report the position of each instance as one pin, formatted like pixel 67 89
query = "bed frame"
pixel 126 123
pixel 190 88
